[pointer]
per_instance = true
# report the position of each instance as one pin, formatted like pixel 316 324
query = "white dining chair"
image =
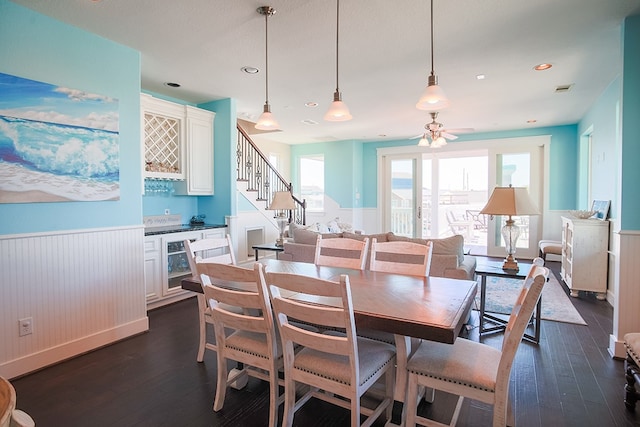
pixel 401 257
pixel 342 252
pixel 338 367
pixel 472 369
pixel 248 337
pixel 215 250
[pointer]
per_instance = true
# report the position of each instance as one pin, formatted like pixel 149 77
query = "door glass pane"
pixel 515 170
pixel 427 194
pixel 402 197
pixel 462 193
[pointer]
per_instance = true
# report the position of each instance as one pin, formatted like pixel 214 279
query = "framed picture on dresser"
pixel 601 207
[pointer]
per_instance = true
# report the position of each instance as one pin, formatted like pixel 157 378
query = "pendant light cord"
pixel 337 37
pixel 432 68
pixel 266 56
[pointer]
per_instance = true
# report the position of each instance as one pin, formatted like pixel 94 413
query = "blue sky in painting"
pixel 32 100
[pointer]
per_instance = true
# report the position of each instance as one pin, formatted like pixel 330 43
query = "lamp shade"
pixel 510 201
pixel 266 121
pixel 338 112
pixel 282 200
pixel 433 98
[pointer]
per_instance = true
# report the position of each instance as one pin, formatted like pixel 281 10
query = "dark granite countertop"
pixel 152 231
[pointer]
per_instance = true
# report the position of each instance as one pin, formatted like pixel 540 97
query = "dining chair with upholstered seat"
pixel 472 369
pixel 338 367
pixel 344 252
pixel 401 257
pixel 217 250
pixel 248 337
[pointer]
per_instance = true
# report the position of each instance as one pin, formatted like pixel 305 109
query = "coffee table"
pixel 267 247
pixel 487 267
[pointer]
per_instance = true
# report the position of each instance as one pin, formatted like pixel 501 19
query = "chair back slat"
pixel 341 252
pixel 401 257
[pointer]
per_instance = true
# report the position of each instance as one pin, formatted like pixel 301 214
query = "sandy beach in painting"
pixel 29 197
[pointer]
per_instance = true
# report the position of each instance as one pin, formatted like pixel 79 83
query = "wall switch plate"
pixel 25 326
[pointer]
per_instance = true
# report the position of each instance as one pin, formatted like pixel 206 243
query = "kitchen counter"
pixel 153 231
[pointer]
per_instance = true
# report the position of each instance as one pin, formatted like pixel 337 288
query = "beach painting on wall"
pixel 57 144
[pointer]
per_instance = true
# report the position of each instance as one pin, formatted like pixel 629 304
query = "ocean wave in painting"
pixel 72 162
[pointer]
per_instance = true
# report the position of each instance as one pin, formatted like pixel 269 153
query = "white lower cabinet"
pixel 585 245
pixel 166 264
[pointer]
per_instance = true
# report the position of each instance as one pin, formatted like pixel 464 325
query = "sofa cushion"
pixel 453 245
pixel 305 236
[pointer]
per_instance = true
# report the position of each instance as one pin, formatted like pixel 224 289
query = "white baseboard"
pixel 50 356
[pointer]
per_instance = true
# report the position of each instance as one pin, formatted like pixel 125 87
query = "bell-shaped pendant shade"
pixel 433 98
pixel 338 111
pixel 266 121
pixel 424 141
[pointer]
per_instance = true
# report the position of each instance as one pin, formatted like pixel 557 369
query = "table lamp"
pixel 282 201
pixel 511 201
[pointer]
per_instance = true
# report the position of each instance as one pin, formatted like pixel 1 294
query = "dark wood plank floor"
pixel 154 380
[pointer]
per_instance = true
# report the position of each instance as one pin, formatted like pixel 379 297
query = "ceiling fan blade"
pixel 460 130
pixel 448 135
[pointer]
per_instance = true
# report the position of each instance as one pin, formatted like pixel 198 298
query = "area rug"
pixel 556 305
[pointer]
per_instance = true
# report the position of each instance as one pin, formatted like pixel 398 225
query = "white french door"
pixel 437 194
pixel 520 167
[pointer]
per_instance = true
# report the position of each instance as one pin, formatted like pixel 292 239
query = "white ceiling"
pixel 384 58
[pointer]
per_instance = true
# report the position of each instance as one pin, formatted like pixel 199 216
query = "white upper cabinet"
pixel 177 144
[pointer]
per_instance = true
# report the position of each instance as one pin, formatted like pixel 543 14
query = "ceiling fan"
pixel 435 136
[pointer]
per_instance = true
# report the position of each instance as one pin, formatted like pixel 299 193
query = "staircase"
pixel 263 179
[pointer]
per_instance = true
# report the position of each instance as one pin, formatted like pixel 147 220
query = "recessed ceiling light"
pixel 542 67
pixel 531 121
pixel 309 122
pixel 382 135
pixel 250 70
pixel 311 104
pixel 480 77
pixel 172 84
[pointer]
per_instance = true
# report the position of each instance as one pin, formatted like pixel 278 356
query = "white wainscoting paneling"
pixel 82 288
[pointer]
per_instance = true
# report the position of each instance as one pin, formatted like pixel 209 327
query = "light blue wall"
pixel 630 203
pixel 602 121
pixel 343 165
pixel 36 47
pixel 223 202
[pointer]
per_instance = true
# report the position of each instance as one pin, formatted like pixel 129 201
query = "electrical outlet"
pixel 167 211
pixel 25 326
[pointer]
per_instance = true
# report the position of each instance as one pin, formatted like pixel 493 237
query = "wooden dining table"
pixel 410 307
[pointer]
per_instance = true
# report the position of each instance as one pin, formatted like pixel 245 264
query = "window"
pixel 312 181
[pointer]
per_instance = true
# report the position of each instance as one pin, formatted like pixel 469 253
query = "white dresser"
pixel 585 243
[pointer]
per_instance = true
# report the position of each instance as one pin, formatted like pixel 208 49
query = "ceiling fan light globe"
pixel 338 112
pixel 438 142
pixel 424 142
pixel 433 98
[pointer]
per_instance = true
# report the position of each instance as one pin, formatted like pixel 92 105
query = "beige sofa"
pixel 448 259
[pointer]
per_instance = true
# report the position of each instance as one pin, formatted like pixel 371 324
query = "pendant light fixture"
pixel 338 111
pixel 433 98
pixel 266 121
